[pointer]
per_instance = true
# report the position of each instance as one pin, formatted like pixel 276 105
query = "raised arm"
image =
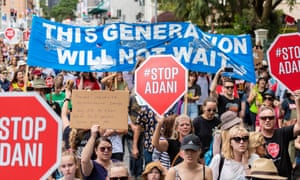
pixel 109 77
pixel 64 110
pixel 80 84
pixel 214 83
pixel 160 145
pixel 86 161
pixel 136 134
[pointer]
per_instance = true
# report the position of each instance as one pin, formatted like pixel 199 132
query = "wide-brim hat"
pixel 264 169
pixel 150 166
pixel 21 63
pixel 39 84
pixel 229 119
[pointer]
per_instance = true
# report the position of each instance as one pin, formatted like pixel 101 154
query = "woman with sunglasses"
pixel 235 161
pixel 269 100
pixel 206 122
pixel 96 169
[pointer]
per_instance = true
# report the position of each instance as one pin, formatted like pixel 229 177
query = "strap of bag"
pixel 221 165
pixel 174 160
pixel 204 171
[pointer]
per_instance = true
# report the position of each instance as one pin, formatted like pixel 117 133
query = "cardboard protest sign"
pixel 109 109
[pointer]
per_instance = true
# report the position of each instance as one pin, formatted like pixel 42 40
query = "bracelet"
pixel 67 99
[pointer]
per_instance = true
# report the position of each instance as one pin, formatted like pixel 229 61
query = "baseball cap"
pixel 37 72
pixel 192 142
pixel 270 93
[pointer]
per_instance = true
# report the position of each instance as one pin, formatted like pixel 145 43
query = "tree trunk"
pixel 267 10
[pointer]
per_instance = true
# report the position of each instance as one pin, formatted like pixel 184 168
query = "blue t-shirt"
pixel 98 172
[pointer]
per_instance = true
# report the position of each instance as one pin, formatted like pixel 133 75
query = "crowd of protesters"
pixel 223 128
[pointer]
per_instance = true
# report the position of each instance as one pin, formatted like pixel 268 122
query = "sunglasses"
pixel 264 118
pixel 238 139
pixel 102 149
pixel 268 98
pixel 228 87
pixel 263 144
pixel 211 110
pixel 119 178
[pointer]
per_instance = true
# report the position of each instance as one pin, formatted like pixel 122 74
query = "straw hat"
pixel 265 169
pixel 150 166
pixel 39 84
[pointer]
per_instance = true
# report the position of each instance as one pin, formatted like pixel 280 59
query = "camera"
pixel 228 69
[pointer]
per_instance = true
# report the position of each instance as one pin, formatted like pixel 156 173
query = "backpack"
pixel 209 153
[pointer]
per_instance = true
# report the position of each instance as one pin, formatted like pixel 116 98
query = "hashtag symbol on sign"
pixel 146 72
pixel 278 52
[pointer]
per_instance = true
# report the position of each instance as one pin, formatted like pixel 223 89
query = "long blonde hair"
pixel 234 131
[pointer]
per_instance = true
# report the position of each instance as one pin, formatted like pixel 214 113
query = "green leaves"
pixel 64 9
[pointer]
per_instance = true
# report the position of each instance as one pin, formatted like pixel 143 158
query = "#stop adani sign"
pixel 284 60
pixel 30 137
pixel 9 33
pixel 161 81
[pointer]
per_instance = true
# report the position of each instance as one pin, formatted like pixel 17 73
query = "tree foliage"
pixel 244 15
pixel 195 11
pixel 64 9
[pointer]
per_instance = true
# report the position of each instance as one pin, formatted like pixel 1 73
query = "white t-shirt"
pixel 232 170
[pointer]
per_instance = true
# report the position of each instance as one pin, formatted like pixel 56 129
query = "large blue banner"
pixel 115 47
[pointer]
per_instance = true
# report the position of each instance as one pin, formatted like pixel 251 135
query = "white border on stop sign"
pixel 55 116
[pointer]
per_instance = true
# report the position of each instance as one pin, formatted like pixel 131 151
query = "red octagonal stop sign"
pixel 284 60
pixel 9 33
pixel 160 81
pixel 30 137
